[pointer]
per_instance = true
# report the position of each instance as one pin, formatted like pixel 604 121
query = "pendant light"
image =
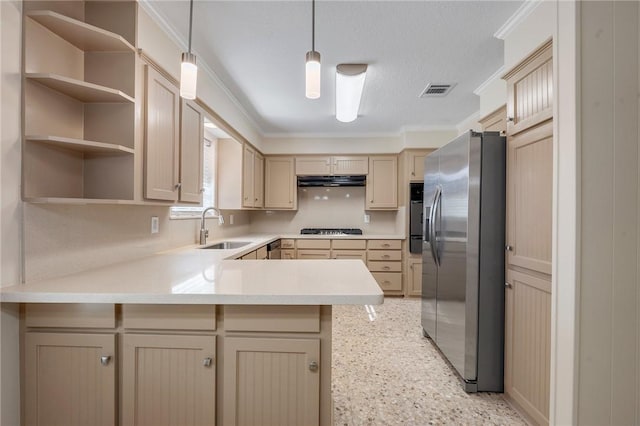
pixel 312 66
pixel 188 68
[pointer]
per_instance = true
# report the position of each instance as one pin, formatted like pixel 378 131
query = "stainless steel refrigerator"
pixel 463 256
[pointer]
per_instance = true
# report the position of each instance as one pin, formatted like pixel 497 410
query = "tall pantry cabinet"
pixel 528 245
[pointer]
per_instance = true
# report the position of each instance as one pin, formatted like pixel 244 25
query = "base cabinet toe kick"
pixel 130 364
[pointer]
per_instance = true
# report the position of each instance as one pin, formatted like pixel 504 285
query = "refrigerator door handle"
pixel 424 223
pixel 433 243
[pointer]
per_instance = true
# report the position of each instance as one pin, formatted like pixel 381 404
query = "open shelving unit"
pixel 79 102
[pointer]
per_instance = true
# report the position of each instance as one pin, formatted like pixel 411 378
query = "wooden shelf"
pixel 81 145
pixel 80 90
pixel 82 35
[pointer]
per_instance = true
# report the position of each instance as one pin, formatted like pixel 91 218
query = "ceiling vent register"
pixel 437 90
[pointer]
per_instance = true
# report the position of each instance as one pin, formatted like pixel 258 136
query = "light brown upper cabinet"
pixel 240 176
pixel 161 138
pixel 79 102
pixel 529 234
pixel 191 145
pixel 280 186
pixel 252 178
pixel 495 121
pixel 415 164
pixel 327 166
pixel 530 91
pixel 382 183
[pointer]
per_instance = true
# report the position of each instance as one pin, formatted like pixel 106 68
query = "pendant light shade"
pixel 188 67
pixel 312 63
pixel 188 76
pixel 312 73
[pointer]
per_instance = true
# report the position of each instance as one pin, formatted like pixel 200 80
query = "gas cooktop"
pixel 331 231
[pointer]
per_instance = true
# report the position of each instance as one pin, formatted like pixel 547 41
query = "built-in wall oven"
pixel 416 218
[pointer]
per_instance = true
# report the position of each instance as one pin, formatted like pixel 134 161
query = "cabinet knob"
pixel 508 248
pixel 201 190
pixel 510 119
pixel 178 185
pixel 207 362
pixel 313 366
pixel 508 285
pixel 413 173
pixel 256 199
pixel 104 360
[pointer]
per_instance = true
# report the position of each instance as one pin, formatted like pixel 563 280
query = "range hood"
pixel 307 181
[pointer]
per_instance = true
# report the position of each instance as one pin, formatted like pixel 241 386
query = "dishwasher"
pixel 273 250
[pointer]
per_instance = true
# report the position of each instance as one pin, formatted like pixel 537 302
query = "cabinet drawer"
pixel 169 317
pixel 303 319
pixel 389 281
pixel 262 253
pixel 77 315
pixel 349 244
pixel 384 266
pixel 349 254
pixel 313 254
pixel 384 255
pixel 313 244
pixel 385 244
pixel 287 244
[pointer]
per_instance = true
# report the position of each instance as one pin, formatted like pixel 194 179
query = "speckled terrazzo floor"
pixel 386 373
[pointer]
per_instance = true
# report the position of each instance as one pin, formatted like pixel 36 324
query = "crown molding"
pixel 514 20
pixel 495 76
pixel 427 128
pixel 175 36
pixel 381 135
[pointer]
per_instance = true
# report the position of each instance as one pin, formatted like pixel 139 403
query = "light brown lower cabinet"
pixel 288 254
pixel 414 280
pixel 528 343
pixel 70 379
pixel 168 380
pixel 263 373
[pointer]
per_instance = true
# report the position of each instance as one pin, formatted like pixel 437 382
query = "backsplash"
pixel 64 239
pixel 341 207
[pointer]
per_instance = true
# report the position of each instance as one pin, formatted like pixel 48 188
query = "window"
pixel 209 159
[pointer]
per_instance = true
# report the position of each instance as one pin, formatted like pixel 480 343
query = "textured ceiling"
pixel 257 49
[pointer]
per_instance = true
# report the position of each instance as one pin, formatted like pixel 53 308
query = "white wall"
pixel 329 208
pixel 469 123
pixel 10 214
pixel 609 352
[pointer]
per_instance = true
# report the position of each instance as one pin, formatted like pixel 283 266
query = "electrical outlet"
pixel 155 225
pixel 367 218
pixel 230 219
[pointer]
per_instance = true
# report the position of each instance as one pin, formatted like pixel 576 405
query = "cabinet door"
pixel 271 381
pixel 530 91
pixel 250 256
pixel 313 166
pixel 416 165
pixel 258 180
pixel 67 380
pixel 529 198
pixel 247 177
pixel 415 277
pixel 191 145
pixel 161 137
pixel 168 380
pixel 382 183
pixel 351 165
pixel 527 343
pixel 280 186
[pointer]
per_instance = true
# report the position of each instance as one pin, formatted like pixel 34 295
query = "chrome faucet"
pixel 204 233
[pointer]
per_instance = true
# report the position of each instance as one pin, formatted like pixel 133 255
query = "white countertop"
pixel 190 275
pixel 344 237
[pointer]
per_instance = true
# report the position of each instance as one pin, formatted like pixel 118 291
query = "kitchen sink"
pixel 226 245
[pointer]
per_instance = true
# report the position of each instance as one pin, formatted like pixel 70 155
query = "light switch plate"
pixel 155 225
pixel 367 218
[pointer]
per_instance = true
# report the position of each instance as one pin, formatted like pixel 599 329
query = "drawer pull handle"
pixel 313 366
pixel 207 362
pixel 386 282
pixel 104 360
pixel 386 268
pixel 508 285
pixel 385 245
pixel 385 256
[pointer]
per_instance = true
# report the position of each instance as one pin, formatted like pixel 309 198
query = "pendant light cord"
pixel 190 23
pixel 313 25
